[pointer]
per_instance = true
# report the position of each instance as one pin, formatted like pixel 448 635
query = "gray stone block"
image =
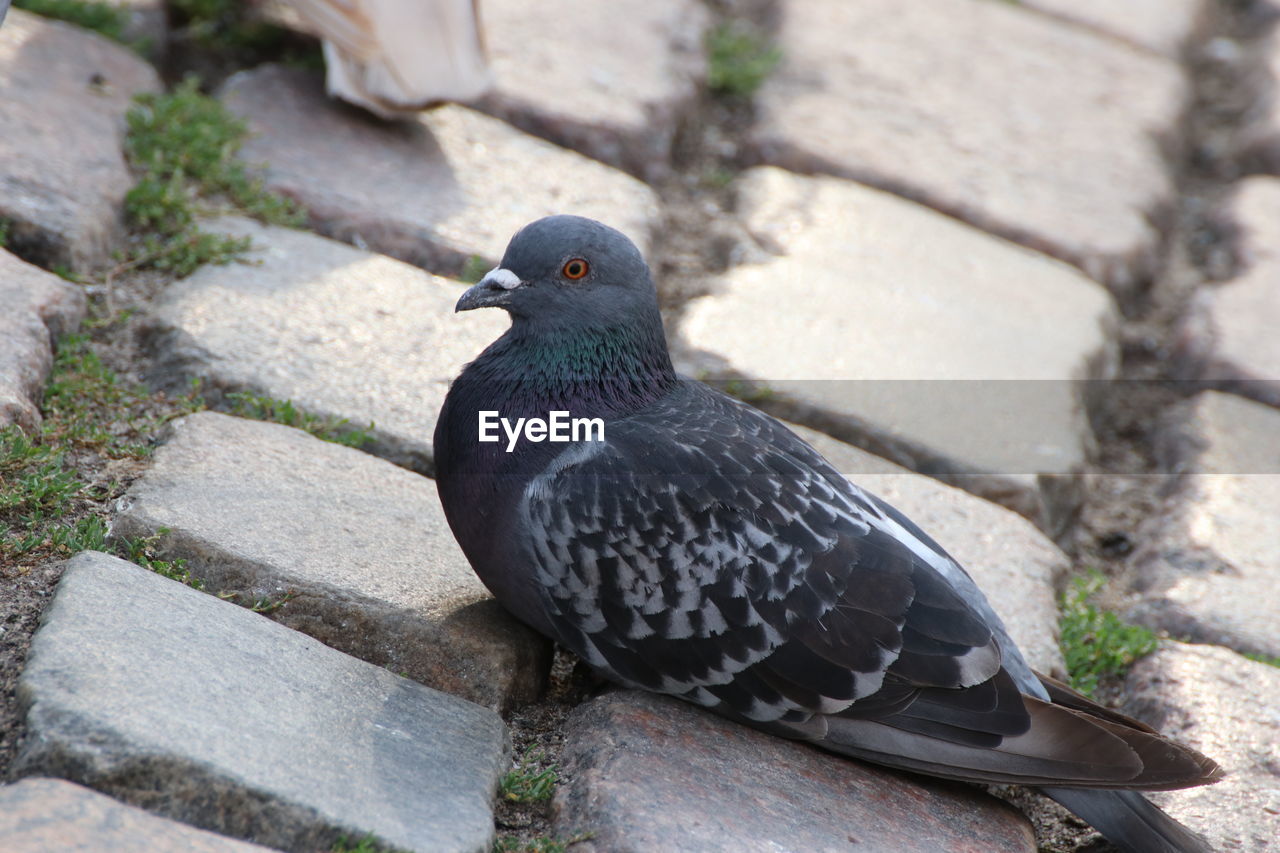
pixel 1051 139
pixel 39 307
pixel 651 773
pixel 1225 706
pixel 201 711
pixel 1161 26
pixel 1259 140
pixel 357 550
pixel 53 816
pixel 951 351
pixel 1210 563
pixel 1232 333
pixel 62 174
pixel 435 191
pixel 566 71
pixel 341 332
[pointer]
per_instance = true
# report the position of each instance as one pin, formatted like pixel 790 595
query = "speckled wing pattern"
pixel 704 551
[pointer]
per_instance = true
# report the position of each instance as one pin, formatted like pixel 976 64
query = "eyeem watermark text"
pixel 558 426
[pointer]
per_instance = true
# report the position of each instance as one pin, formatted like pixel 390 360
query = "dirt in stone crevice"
pixel 1128 480
pixel 27 585
pixel 699 237
pixel 537 733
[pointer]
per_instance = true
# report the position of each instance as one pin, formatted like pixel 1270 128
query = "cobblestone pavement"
pixel 1013 266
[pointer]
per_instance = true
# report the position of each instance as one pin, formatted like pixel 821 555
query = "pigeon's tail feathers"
pixel 1061 694
pixel 1130 821
pixel 1062 745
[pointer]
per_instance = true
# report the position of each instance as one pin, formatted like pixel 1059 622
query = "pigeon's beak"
pixel 493 290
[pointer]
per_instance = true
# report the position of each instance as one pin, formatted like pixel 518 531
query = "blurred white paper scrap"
pixel 397 56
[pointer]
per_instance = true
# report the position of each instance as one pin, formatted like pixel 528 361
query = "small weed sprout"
pixel 103 18
pixel 739 58
pixel 368 844
pixel 1269 660
pixel 529 781
pixel 143 551
pixel 88 412
pixel 234 28
pixel 1096 644
pixel 270 604
pixel 261 408
pixel 473 270
pixel 749 391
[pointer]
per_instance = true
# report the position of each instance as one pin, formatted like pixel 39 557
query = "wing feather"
pixel 741 572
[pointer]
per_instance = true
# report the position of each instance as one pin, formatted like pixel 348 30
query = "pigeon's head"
pixel 567 271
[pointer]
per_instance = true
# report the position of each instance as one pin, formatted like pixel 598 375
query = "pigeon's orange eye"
pixel 575 269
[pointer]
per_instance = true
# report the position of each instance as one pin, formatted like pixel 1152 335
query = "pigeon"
pixel 696 547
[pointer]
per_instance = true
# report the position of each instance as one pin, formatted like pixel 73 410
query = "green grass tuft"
pixel 750 391
pixel 143 551
pixel 739 58
pixel 368 844
pixel 183 147
pixel 272 604
pixel 530 781
pixel 473 270
pixel 233 28
pixel 1269 660
pixel 47 507
pixel 102 18
pixel 1096 643
pixel 36 488
pixel 86 406
pixel 260 408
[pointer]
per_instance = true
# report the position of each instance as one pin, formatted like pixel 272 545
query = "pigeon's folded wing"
pixel 723 562
pixel 717 564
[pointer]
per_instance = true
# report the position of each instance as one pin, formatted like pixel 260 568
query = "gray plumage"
pixel 705 551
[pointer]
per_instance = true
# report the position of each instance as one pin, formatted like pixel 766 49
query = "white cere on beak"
pixel 505 279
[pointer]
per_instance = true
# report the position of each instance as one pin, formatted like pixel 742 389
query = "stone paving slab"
pixel 1231 335
pixel 198 710
pixel 1261 138
pixel 951 351
pixel 53 816
pixel 434 192
pixel 566 71
pixel 39 307
pixel 1211 566
pixel 339 331
pixel 1161 26
pixel 1014 564
pixel 262 512
pixel 1227 707
pixel 1050 139
pixel 62 174
pixel 651 773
